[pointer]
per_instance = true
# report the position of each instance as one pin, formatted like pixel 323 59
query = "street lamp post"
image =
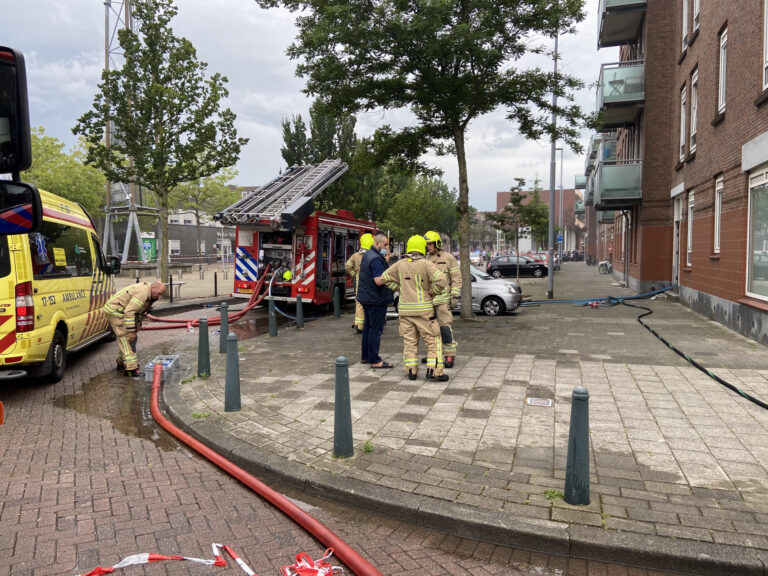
pixel 560 222
pixel 552 172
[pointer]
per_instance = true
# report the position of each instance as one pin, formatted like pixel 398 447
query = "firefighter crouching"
pixel 124 311
pixel 353 269
pixel 418 280
pixel 448 300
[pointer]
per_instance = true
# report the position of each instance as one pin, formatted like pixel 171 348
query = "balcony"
pixel 589 193
pixel 592 150
pixel 580 182
pixel 621 93
pixel 618 185
pixel 605 216
pixel 579 207
pixel 620 22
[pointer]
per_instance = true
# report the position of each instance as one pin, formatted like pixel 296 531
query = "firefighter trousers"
pixel 445 320
pixel 411 329
pixel 126 351
pixel 359 315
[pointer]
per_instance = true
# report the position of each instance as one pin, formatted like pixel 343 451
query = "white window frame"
pixel 765 45
pixel 722 71
pixel 696 14
pixel 685 25
pixel 689 247
pixel 757 179
pixel 682 124
pixel 719 185
pixel 694 107
pixel 174 247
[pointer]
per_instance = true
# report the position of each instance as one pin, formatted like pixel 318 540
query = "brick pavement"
pixel 679 463
pixel 87 478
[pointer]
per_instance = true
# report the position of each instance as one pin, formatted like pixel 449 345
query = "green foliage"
pixel 200 415
pixel 447 62
pixel 169 126
pixel 551 494
pixel 536 215
pixel 421 203
pixel 65 174
pixel 294 150
pixel 368 447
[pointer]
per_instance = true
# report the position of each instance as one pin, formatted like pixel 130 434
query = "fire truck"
pixel 305 250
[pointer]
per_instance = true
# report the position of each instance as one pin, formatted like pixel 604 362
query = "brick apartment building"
pixel 676 183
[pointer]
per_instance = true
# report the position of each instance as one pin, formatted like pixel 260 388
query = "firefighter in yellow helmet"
pixel 353 269
pixel 447 301
pixel 418 281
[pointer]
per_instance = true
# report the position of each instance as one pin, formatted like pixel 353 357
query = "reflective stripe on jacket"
pixel 418 280
pixel 352 266
pixel 130 303
pixel 447 264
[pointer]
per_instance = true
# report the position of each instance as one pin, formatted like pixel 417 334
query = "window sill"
pixel 693 37
pixel 682 56
pixel 718 118
pixel 691 156
pixel 754 303
pixel 679 165
pixel 762 99
pixel 688 269
pixel 715 256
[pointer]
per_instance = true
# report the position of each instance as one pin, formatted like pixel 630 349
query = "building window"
pixel 694 107
pixel 187 221
pixel 689 250
pixel 696 11
pixel 757 260
pixel 174 247
pixel 721 71
pixel 685 25
pixel 682 124
pixel 718 212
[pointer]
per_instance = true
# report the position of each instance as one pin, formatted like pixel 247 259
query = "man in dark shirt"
pixel 374 300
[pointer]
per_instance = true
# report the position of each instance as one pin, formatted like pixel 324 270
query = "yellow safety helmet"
pixel 287 276
pixel 416 244
pixel 434 237
pixel 366 241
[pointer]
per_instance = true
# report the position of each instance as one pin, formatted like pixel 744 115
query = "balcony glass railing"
pixel 621 83
pixel 619 21
pixel 580 182
pixel 619 184
pixel 579 207
pixel 606 216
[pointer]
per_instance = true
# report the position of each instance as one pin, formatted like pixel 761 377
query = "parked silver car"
pixel 493 296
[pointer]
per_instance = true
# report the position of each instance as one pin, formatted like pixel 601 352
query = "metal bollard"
pixel 272 318
pixel 232 382
pixel 170 287
pixel 336 301
pixel 577 466
pixel 181 273
pixel 223 328
pixel 299 313
pixel 202 273
pixel 342 415
pixel 215 285
pixel 203 350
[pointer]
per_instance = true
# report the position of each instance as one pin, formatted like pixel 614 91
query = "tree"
pixel 64 173
pixel 421 203
pixel 205 197
pixel 449 62
pixel 511 220
pixel 536 216
pixel 168 122
pixel 294 149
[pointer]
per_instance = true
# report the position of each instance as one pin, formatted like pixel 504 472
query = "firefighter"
pixel 448 300
pixel 353 269
pixel 124 311
pixel 418 281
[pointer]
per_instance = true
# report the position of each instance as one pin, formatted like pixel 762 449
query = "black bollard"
pixel 342 416
pixel 272 318
pixel 215 285
pixel 577 466
pixel 170 288
pixel 203 350
pixel 223 328
pixel 299 313
pixel 232 382
pixel 336 301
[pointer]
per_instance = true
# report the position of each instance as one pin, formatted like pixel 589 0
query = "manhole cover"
pixel 538 401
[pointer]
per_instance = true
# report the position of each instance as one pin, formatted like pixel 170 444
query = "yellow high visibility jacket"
pixel 449 266
pixel 353 266
pixel 130 303
pixel 418 280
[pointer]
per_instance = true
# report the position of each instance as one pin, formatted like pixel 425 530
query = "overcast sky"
pixel 63 42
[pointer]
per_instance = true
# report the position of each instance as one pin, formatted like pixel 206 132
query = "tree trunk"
pixel 197 230
pixel 462 210
pixel 165 254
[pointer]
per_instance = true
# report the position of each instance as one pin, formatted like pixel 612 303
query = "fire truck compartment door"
pixel 246 264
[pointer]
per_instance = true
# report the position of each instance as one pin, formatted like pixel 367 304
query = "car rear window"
pixel 5 257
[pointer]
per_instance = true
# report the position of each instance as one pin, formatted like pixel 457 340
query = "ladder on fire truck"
pixel 286 200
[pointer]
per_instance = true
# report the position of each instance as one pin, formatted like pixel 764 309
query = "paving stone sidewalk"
pixel 679 463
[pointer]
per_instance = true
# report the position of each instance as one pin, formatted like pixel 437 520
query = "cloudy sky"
pixel 63 42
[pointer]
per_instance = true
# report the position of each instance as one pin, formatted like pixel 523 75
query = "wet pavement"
pixel 678 462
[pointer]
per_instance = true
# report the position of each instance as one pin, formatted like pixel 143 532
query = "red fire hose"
pixel 325 536
pixel 170 323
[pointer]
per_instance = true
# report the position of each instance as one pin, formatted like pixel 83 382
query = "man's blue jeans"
pixel 373 327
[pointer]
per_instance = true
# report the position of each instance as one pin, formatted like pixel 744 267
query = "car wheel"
pixel 58 354
pixel 538 272
pixel 493 306
pixel 496 273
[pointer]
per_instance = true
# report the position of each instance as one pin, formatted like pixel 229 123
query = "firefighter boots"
pixel 432 376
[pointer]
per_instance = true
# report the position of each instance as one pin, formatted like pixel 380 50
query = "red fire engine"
pixel 305 250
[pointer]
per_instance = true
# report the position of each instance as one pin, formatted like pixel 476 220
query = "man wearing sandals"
pixel 375 297
pixel 418 281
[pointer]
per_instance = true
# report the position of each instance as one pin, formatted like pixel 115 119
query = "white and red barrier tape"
pixel 305 566
pixel 138 559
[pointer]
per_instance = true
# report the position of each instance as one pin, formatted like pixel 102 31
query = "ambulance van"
pixel 53 284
